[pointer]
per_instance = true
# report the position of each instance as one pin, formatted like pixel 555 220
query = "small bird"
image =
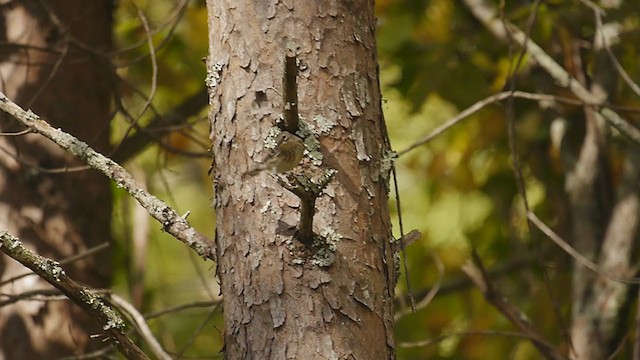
pixel 286 155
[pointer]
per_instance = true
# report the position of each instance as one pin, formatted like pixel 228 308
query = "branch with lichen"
pixel 171 221
pixel 50 270
pixel 308 184
pixel 308 188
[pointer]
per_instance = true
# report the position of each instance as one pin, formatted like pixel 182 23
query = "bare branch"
pixel 575 254
pixel 132 145
pixel 462 283
pixel 484 103
pixel 500 28
pixel 140 324
pixel 476 272
pixel 171 21
pixel 90 302
pixel 152 55
pixel 403 247
pixel 426 300
pixel 34 295
pixel 81 255
pixel 191 305
pixel 605 38
pixel 433 341
pixel 196 332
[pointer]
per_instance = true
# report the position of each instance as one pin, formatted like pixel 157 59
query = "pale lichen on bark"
pixel 325 245
pixel 386 165
pixel 311 142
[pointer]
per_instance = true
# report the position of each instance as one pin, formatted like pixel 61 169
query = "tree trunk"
pixel 50 63
pixel 279 301
pixel 604 225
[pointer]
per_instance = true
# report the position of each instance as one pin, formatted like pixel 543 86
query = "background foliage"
pixel 458 190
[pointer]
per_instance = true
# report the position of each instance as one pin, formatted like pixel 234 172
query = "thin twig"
pixel 581 259
pixel 35 165
pixel 433 341
pixel 477 273
pixel 43 295
pixel 484 103
pixel 140 324
pixel 204 278
pixel 402 245
pixel 462 283
pixel 134 144
pixel 511 123
pixel 197 331
pixel 517 167
pixel 19 133
pixel 172 19
pixel 63 31
pixel 605 43
pixel 177 308
pixel 431 294
pixel 557 72
pixel 79 256
pixel 618 348
pixel 407 240
pixel 152 55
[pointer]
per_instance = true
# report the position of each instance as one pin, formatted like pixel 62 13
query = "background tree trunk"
pixel 275 308
pixel 51 62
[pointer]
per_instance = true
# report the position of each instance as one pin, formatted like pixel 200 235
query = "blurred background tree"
pixel 46 66
pixel 440 57
pixel 437 58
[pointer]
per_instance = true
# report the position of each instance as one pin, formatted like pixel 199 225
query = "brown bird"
pixel 286 155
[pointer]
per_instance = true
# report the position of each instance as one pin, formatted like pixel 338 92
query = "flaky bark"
pixel 274 306
pixel 48 64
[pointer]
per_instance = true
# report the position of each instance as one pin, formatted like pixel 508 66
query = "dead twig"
pixel 477 273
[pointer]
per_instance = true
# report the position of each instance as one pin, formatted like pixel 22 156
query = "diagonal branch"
pixel 481 104
pixel 89 252
pixel 579 258
pixel 505 30
pixel 134 144
pixel 172 223
pixel 478 274
pixel 140 324
pixel 50 270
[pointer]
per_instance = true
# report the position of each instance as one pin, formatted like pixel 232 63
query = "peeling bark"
pixel 278 303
